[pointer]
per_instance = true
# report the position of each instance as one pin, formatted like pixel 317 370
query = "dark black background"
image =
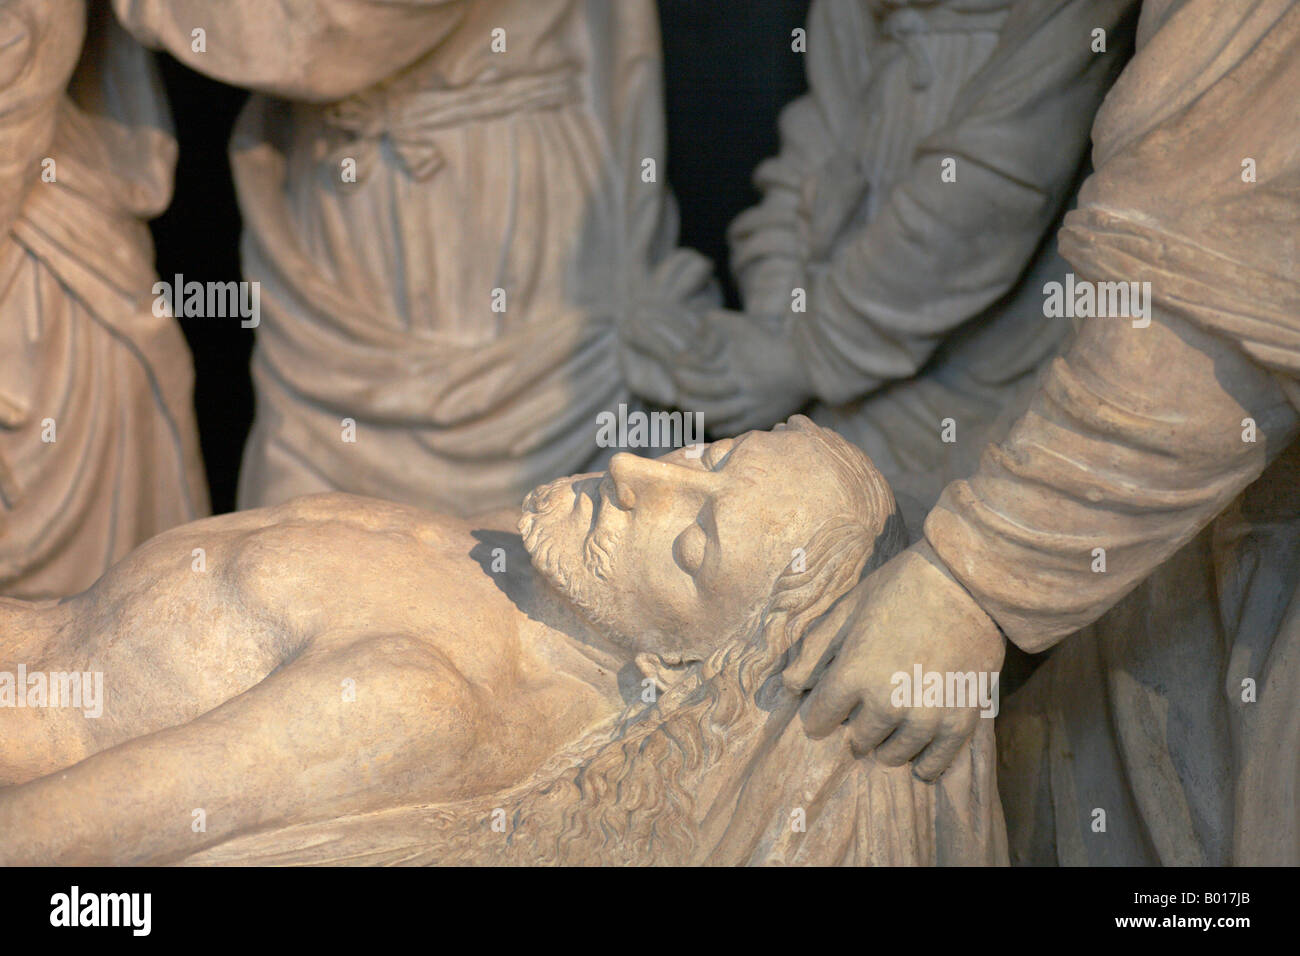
pixel 915 909
pixel 728 71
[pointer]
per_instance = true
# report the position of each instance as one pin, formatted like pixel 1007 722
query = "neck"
pixel 570 644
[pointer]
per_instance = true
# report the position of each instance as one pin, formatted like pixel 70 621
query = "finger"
pixel 684 269
pixel 706 378
pixel 817 640
pixel 936 758
pixel 828 705
pixel 911 737
pixel 662 325
pixel 655 334
pixel 704 372
pixel 648 379
pixel 869 727
pixel 693 272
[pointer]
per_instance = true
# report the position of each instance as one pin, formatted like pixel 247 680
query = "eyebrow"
pixel 735 443
pixel 708 517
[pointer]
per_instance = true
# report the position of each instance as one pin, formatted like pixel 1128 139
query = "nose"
pixel 639 481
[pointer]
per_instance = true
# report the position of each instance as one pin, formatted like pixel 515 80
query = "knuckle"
pixel 889 758
pixel 928 769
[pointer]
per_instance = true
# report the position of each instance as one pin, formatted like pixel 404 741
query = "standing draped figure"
pixel 1150 496
pixel 893 271
pixel 98 447
pixel 450 206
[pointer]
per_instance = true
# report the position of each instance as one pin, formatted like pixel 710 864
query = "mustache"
pixel 600 541
pixel 579 567
pixel 598 551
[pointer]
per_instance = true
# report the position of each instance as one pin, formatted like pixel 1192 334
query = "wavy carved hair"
pixel 625 795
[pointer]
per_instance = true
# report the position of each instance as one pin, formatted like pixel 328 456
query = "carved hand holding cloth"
pixel 1169 448
pixel 1136 440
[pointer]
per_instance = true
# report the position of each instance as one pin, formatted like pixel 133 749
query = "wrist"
pixel 956 592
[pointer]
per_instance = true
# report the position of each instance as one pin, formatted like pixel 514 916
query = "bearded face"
pixel 675 555
pixel 571 549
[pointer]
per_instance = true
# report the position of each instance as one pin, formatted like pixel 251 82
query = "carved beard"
pixel 578 565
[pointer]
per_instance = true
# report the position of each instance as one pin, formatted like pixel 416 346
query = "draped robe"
pixel 458 303
pixel 1151 493
pixel 98 445
pixel 924 298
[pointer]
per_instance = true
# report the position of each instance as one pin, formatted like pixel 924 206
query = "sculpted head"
pixel 676 556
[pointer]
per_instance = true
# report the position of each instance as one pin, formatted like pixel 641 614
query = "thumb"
pixel 821 638
pixel 648 379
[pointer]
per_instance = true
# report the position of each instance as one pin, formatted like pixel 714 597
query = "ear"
pixel 663 672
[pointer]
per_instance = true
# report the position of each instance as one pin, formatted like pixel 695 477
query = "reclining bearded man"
pixel 337 656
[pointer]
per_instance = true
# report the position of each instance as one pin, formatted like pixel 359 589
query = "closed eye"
pixel 718 453
pixel 688 549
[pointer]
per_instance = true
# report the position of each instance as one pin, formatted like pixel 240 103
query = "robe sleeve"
pixel 625 77
pixel 771 242
pixel 936 253
pixel 1134 443
pixel 1139 437
pixel 307 50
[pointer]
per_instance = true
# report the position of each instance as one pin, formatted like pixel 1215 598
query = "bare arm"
pixel 292 749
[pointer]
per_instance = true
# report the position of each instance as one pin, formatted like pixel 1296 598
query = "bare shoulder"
pixel 356 511
pixel 399 703
pixel 409 670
